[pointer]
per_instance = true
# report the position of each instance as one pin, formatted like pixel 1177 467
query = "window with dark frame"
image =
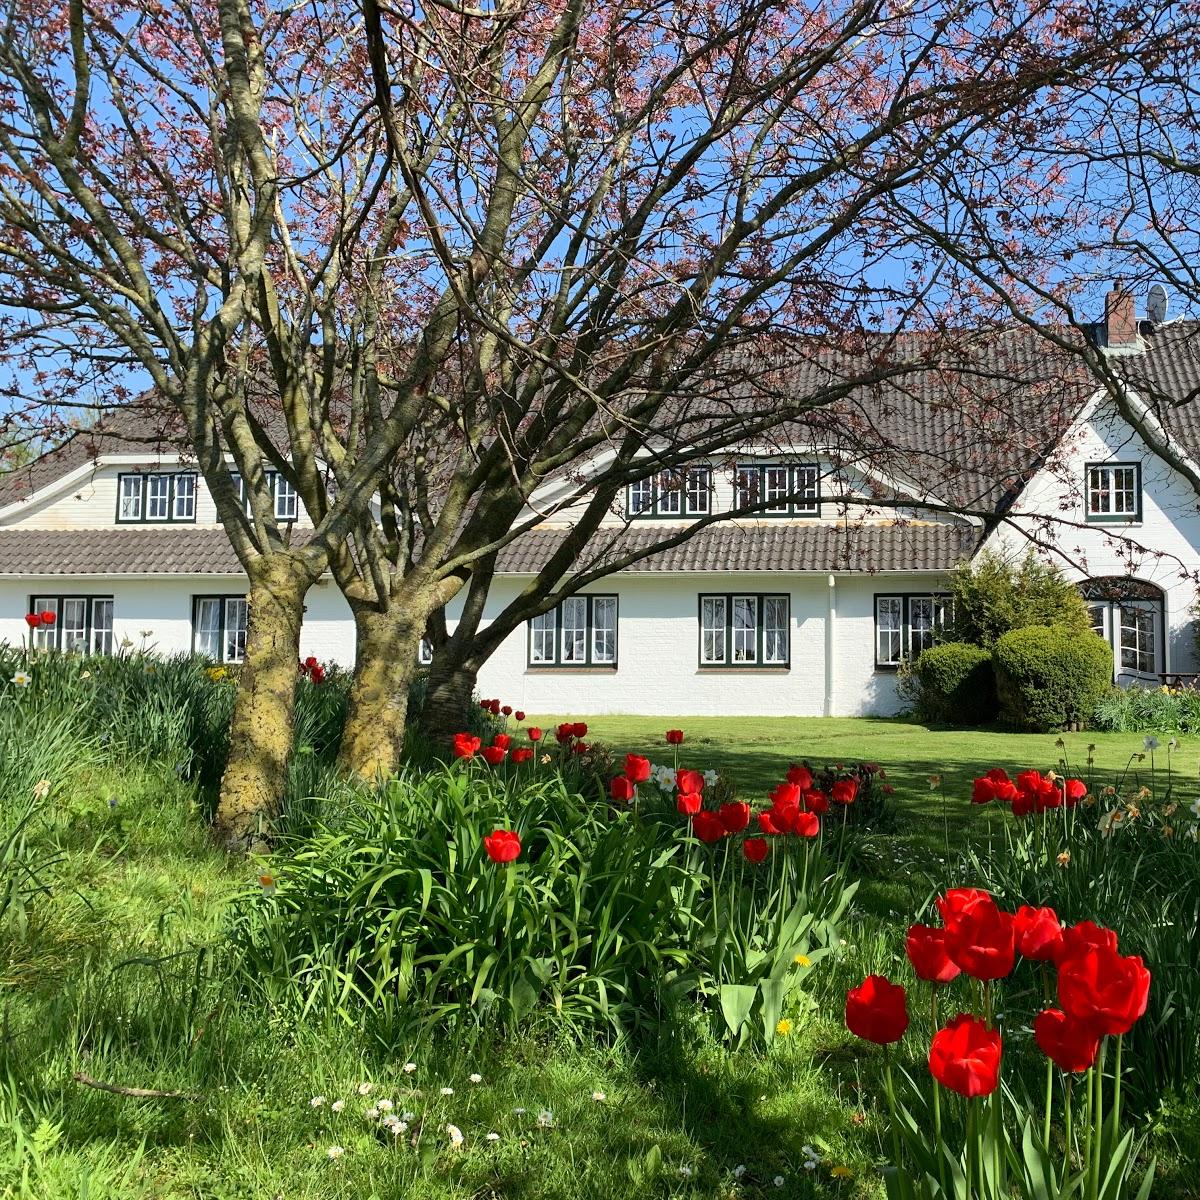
pixel 745 629
pixel 1114 492
pixel 156 497
pixel 219 627
pixel 83 624
pixel 906 624
pixel 580 632
pixel 762 483
pixel 683 493
pixel 425 653
pixel 284 497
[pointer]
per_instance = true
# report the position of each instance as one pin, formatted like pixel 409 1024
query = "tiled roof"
pixel 116 552
pixel 730 546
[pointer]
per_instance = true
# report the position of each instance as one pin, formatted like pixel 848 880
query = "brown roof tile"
pixel 116 552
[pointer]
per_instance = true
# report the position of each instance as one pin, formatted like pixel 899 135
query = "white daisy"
pixel 337 1106
pixel 447 1091
pixel 364 1089
pixel 685 1172
pixel 409 1068
pixel 384 1105
pixel 778 1181
pixel 335 1151
pixel 317 1101
pixel 372 1113
pixel 599 1097
pixel 493 1137
pixel 519 1112
pixel 475 1078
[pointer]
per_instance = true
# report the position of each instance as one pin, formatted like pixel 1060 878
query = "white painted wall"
pixel 658 671
pixel 1163 548
pixel 156 612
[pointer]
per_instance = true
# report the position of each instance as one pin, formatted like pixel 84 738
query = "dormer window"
pixel 1114 492
pixel 784 490
pixel 284 497
pixel 160 497
pixel 683 493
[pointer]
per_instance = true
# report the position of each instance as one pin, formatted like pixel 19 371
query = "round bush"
pixel 1048 675
pixel 956 684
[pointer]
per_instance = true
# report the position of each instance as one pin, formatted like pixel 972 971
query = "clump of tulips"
pixel 1031 792
pixel 1101 995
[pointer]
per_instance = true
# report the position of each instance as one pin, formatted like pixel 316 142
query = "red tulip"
pixel 1105 989
pixel 1023 803
pixel 48 618
pixel 579 729
pixel 965 1057
pixel 502 846
pixel 766 822
pixel 1076 789
pixel 756 849
pixel 518 716
pixel 785 794
pixel 956 899
pixel 485 704
pixel 564 733
pixel 1069 1043
pixel 522 755
pixel 877 1010
pixel 998 775
pixel 506 710
pixel 983 790
pixel 689 781
pixel 816 802
pixel 533 733
pixel 622 789
pixel 465 745
pixel 33 620
pixel 707 826
pixel 674 737
pixel 637 768
pixel 1084 936
pixel 806 825
pixel 580 748
pixel 927 952
pixel 310 662
pixel 1038 932
pixel 688 803
pixel 980 939
pixel 784 812
pixel 801 776
pixel 502 740
pixel 1005 791
pixel 494 707
pixel 844 791
pixel 493 755
pixel 317 674
pixel 735 816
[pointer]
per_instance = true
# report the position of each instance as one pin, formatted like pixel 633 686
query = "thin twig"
pixel 140 1093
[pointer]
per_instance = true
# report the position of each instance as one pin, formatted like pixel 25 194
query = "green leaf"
pixel 737 1002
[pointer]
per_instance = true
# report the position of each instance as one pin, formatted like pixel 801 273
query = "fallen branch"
pixel 139 1093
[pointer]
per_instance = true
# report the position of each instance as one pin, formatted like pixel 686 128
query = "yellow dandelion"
pixel 841 1172
pixel 802 960
pixel 783 1028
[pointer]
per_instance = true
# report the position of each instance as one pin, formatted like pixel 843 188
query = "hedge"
pixel 956 684
pixel 1049 675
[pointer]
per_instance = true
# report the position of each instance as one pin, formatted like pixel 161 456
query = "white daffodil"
pixel 710 777
pixel 1195 806
pixel 335 1152
pixel 22 679
pixel 1150 742
pixel 317 1101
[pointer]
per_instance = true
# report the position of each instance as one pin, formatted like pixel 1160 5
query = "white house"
pixel 807 609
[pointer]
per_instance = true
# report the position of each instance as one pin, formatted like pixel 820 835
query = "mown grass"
pixel 120 975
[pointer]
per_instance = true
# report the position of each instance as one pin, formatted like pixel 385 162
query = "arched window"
pixel 1128 614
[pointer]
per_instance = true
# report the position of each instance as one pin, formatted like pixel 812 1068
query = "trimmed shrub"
pixel 1048 675
pixel 956 684
pixel 993 596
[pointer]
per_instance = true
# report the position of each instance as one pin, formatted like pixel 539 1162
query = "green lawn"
pixel 107 981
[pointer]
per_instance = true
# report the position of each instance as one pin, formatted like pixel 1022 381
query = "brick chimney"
pixel 1120 321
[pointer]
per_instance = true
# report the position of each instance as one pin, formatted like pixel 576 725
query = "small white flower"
pixel 1194 833
pixel 778 1181
pixel 384 1105
pixel 1173 743
pixel 335 1152
pixel 545 1119
pixel 22 679
pixel 739 1170
pixel 685 1172
pixel 372 1113
pixel 519 1112
pixel 1150 742
pixel 1196 807
pixel 710 777
pixel 599 1097
pixel 407 1116
pixel 808 1151
pixel 317 1101
pixel 455 1135
pixel 666 778
pixel 447 1091
pixel 337 1106
pixel 475 1078
pixel 493 1137
pixel 409 1068
pixel 364 1089
pixel 810 1164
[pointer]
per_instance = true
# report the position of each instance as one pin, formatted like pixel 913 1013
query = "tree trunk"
pixel 386 649
pixel 261 732
pixel 448 695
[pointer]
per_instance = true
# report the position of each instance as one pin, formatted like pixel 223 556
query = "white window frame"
pixel 233 622
pixel 1113 492
pixel 548 632
pixel 757 483
pixel 901 604
pixel 684 492
pixel 725 643
pixel 150 497
pixel 94 636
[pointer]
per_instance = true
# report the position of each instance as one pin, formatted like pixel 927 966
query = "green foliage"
pixel 956 684
pixel 1049 675
pixel 993 595
pixel 1142 710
